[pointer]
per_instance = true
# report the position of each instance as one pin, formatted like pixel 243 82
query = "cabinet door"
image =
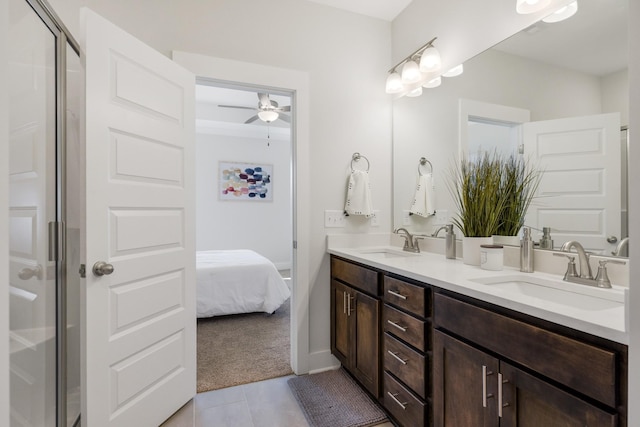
pixel 530 402
pixel 340 322
pixel 464 384
pixel 365 315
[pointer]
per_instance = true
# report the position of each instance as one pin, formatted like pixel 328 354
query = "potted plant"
pixel 492 195
pixel 519 184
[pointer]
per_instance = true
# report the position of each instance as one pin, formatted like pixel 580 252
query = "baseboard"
pixel 321 361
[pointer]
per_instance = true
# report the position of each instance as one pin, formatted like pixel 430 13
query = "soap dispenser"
pixel 450 242
pixel 526 251
pixel 546 242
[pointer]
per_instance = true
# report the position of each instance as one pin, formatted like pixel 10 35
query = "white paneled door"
pixel 579 195
pixel 140 318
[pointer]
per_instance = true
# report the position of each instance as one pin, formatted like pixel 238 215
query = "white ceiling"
pixel 382 9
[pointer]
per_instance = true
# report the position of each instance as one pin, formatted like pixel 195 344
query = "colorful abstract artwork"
pixel 245 181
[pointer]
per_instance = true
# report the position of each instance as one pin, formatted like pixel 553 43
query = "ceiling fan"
pixel 268 110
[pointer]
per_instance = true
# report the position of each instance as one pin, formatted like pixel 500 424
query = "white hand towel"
pixel 359 195
pixel 423 201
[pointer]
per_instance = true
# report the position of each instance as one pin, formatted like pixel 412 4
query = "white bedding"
pixel 237 281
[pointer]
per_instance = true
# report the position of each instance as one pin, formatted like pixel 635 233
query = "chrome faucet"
pixel 583 258
pixel 585 278
pixel 435 233
pixel 410 241
pixel 622 249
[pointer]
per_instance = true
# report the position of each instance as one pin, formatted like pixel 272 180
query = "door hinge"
pixel 83 271
pixel 56 241
pixel 295 244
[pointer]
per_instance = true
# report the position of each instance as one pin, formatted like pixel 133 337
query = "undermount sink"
pixel 384 252
pixel 560 292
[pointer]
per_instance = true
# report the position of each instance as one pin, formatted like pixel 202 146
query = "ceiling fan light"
pixel 455 71
pixel 268 116
pixel 524 7
pixel 410 72
pixel 394 83
pixel 433 83
pixel 563 13
pixel 430 60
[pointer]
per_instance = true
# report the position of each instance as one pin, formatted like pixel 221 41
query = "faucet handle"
pixel 571 266
pixel 602 278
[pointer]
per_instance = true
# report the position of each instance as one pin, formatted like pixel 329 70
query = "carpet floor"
pixel 243 348
pixel 333 399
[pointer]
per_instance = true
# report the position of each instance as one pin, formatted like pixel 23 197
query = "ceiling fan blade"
pixel 263 100
pixel 285 108
pixel 251 119
pixel 284 118
pixel 236 106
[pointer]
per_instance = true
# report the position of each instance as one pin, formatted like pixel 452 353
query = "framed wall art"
pixel 245 181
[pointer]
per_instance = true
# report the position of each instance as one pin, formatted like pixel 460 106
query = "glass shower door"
pixel 32 205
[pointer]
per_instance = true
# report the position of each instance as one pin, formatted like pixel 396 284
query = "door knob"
pixel 101 268
pixel 612 239
pixel 27 273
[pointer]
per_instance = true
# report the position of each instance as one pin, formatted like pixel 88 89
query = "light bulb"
pixel 416 92
pixel 430 60
pixel 433 83
pixel 531 6
pixel 455 71
pixel 563 13
pixel 268 116
pixel 394 83
pixel 410 72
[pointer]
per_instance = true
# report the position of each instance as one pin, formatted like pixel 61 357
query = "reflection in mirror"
pixel 522 88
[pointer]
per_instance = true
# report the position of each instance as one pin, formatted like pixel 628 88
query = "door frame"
pixel 296 83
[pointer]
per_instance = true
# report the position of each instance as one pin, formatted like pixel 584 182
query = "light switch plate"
pixel 334 219
pixel 375 219
pixel 405 218
pixel 442 216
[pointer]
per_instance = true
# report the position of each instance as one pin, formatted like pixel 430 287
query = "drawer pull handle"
pixel 403 361
pixel 344 302
pixel 500 395
pixel 393 396
pixel 392 323
pixel 395 294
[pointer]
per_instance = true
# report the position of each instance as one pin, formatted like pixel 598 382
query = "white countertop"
pixel 454 275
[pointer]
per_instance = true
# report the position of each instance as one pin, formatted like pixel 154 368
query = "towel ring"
pixel 424 161
pixel 355 158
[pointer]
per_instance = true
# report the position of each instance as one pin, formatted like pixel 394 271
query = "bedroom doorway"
pixel 244 128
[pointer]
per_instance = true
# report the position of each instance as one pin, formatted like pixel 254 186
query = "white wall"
pixel 615 95
pixel 346 56
pixel 264 227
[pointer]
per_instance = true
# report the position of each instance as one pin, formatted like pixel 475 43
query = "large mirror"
pixel 549 76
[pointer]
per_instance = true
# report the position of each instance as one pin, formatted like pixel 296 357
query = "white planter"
pixel 471 249
pixel 506 240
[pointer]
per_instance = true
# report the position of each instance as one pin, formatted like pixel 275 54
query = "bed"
pixel 237 281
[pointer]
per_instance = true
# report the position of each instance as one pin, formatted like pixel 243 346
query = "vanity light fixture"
pixel 455 71
pixel 416 92
pixel 433 83
pixel 430 60
pixel 524 7
pixel 268 116
pixel 407 72
pixel 410 72
pixel 563 13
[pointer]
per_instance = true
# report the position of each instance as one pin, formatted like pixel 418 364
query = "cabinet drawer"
pixel 356 276
pixel 404 406
pixel 405 327
pixel 581 366
pixel 407 296
pixel 406 364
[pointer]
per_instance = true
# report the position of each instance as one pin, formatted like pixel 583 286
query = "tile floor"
pixel 262 404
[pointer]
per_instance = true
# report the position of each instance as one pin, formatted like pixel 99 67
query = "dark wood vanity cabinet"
pixel 355 321
pixel 406 322
pixel 493 370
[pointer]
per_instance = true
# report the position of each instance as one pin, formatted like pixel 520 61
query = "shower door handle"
pixel 101 268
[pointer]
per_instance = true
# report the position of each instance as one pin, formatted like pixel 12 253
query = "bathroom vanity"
pixel 436 342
